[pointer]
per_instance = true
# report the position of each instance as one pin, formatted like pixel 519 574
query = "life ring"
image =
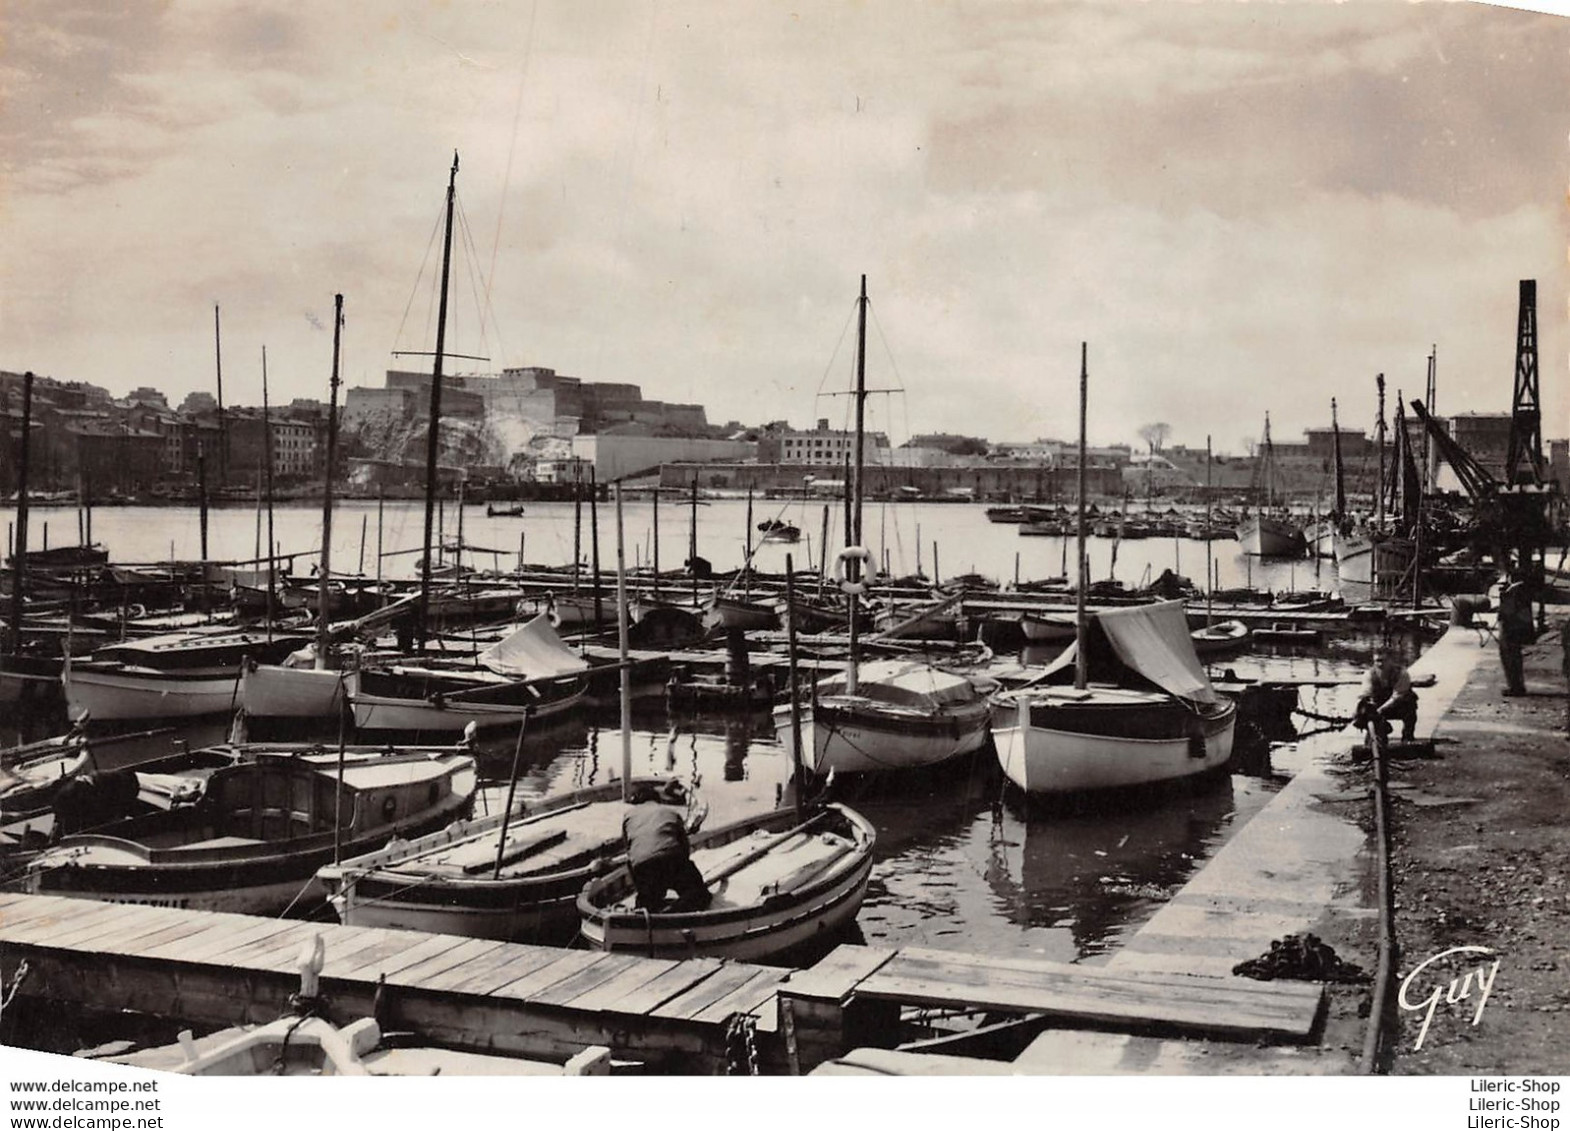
pixel 857 553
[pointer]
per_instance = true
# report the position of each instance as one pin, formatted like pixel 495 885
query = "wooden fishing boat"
pixel 1221 639
pixel 781 885
pixel 1271 536
pixel 179 675
pixel 1047 628
pixel 889 715
pixel 1270 532
pixel 902 714
pixel 511 510
pixel 722 612
pixel 461 881
pixel 248 836
pixel 1006 514
pixel 1151 716
pixel 529 673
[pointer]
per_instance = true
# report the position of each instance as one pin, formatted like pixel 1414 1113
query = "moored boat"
pixel 781 884
pixel 903 714
pixel 529 673
pixel 181 675
pixel 461 881
pixel 249 835
pixel 1220 639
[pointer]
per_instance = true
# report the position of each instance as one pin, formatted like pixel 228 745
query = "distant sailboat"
pixel 1269 532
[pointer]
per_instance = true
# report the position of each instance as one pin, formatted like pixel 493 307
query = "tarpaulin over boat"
pixel 532 652
pixel 904 682
pixel 1153 641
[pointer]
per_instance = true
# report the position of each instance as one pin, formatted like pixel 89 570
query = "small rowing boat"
pixel 781 885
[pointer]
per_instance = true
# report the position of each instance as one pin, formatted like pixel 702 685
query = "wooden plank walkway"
pixel 550 1003
pixel 1220 1006
pixel 477 994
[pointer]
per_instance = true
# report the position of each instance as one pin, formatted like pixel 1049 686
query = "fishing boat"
pixel 724 612
pixel 889 715
pixel 512 510
pixel 1378 554
pixel 1225 638
pixel 248 835
pixel 178 675
pixel 776 530
pixel 528 673
pixel 1150 715
pixel 780 885
pixel 514 875
pixel 1047 628
pixel 1270 532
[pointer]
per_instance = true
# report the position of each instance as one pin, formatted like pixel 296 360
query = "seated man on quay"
pixel 1387 695
pixel 658 855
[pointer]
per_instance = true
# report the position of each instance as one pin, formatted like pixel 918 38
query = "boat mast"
pixel 432 440
pixel 1270 468
pixel 853 567
pixel 1210 569
pixel 19 550
pixel 1379 431
pixel 223 433
pixel 1081 674
pixel 1339 511
pixel 267 455
pixel 327 491
pixel 622 650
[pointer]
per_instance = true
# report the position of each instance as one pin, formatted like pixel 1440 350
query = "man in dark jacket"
pixel 1515 630
pixel 658 856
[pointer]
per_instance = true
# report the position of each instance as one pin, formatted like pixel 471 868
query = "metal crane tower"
pixel 1524 462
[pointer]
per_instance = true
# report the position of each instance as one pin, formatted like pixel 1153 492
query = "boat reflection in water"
pixel 1081 883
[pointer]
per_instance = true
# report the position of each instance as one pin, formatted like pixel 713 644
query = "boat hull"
pixel 376 710
pixel 410 888
pixel 1364 560
pixel 118 693
pixel 1053 744
pixel 269 691
pixel 1268 537
pixel 852 735
pixel 232 872
pixel 789 922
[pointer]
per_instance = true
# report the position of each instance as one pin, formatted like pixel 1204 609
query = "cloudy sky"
pixel 1242 207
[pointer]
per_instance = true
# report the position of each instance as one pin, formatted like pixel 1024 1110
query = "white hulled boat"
pixel 901 714
pixel 181 675
pixel 1154 718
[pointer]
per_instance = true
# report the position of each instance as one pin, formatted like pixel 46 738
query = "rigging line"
pixel 512 147
pixel 829 367
pixel 415 289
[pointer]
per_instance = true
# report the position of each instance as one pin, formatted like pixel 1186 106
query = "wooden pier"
pixel 205 968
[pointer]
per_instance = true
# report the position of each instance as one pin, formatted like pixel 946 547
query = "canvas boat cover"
pixel 1149 643
pixel 1154 641
pixel 532 652
pixel 905 683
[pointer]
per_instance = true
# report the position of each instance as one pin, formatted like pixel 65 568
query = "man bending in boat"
pixel 1387 695
pixel 658 855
